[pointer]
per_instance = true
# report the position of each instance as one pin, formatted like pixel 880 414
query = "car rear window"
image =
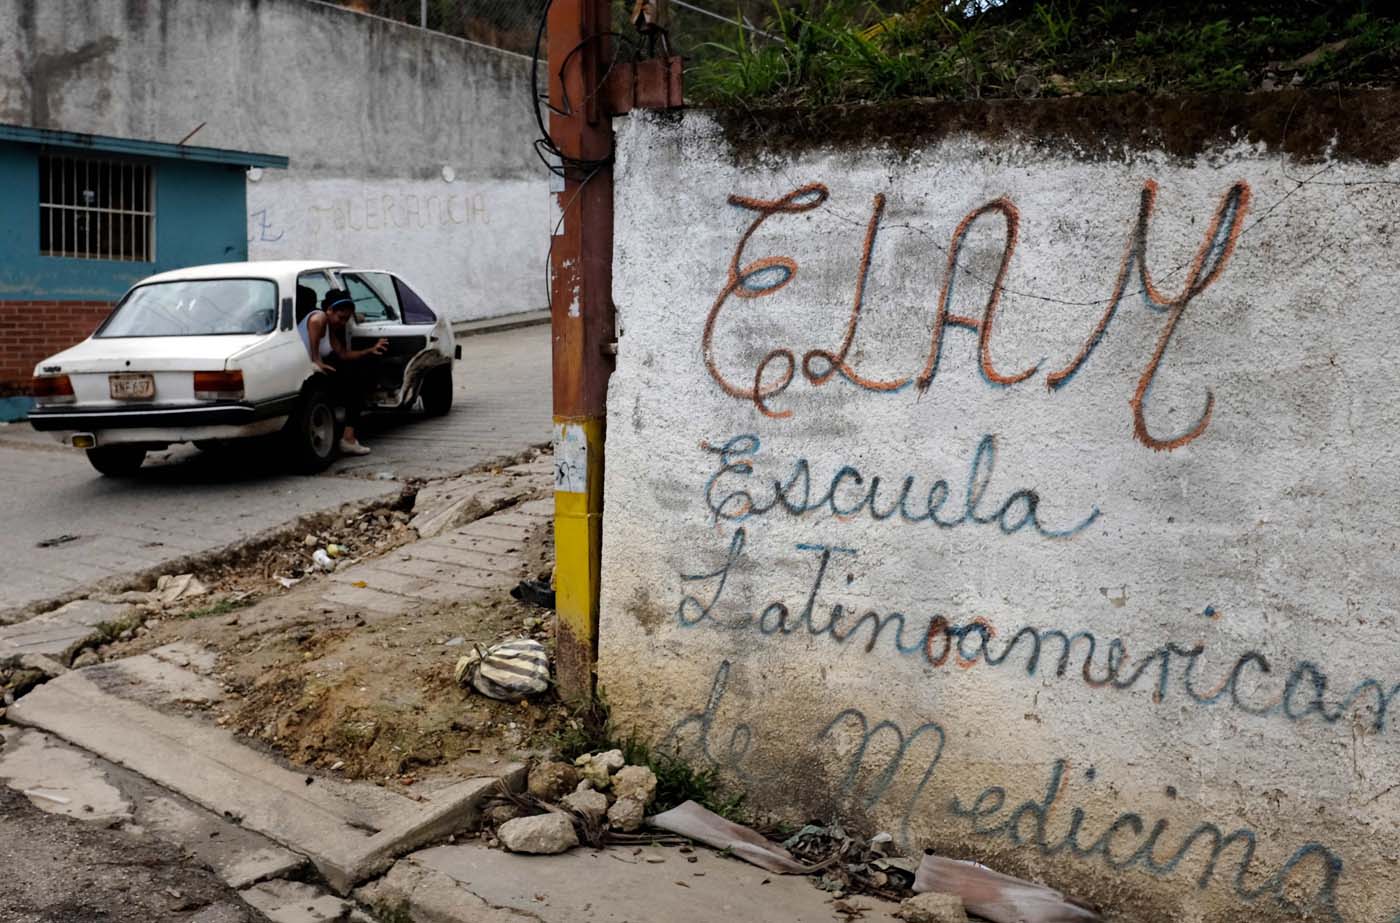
pixel 196 307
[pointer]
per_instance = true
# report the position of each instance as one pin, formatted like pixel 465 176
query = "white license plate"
pixel 132 387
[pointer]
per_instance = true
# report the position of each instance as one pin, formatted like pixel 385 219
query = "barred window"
pixel 95 209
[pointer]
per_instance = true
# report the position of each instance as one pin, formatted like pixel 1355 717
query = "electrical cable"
pixel 545 146
pixel 744 24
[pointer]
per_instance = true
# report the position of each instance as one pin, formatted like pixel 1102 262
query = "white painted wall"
pixel 1266 544
pixel 365 108
pixel 468 247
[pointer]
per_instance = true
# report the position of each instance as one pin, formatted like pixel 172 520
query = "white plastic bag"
pixel 510 670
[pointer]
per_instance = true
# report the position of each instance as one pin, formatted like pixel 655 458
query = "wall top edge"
pixel 1307 125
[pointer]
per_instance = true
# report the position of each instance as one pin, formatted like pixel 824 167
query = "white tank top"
pixel 306 335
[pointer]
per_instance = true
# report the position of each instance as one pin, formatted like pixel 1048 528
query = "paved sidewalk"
pixel 455 562
pixel 464 563
pixel 128 712
pixel 469 883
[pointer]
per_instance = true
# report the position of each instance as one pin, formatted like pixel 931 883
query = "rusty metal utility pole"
pixel 587 87
pixel 582 319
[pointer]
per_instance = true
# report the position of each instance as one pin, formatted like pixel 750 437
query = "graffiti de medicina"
pixel 767 275
pixel 1033 823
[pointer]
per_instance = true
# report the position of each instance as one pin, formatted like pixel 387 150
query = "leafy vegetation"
pixel 677 781
pixel 846 51
pixel 109 632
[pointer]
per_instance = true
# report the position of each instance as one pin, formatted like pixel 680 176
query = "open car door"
pixel 387 308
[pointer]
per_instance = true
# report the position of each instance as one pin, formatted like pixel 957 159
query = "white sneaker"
pixel 353 448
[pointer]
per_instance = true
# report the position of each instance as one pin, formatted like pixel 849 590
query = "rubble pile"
pixel 296 552
pixel 598 798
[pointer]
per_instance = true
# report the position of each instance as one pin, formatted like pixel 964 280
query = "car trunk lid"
pixel 150 354
pixel 169 361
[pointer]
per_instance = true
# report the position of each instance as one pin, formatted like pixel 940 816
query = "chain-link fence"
pixel 699 29
pixel 696 26
pixel 508 24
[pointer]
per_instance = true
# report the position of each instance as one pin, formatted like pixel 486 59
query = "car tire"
pixel 312 432
pixel 117 461
pixel 437 391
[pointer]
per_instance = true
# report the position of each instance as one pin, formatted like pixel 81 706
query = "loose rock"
pixel 543 835
pixel 599 767
pixel 626 814
pixel 501 812
pixel 86 659
pixel 552 781
pixel 932 907
pixel 591 804
pixel 635 782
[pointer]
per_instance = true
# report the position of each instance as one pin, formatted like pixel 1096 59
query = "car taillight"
pixel 53 389
pixel 218 386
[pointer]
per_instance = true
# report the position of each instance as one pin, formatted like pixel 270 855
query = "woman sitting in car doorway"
pixel 351 371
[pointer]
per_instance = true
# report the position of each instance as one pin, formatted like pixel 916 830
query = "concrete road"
pixel 501 406
pixel 200 501
pixel 58 868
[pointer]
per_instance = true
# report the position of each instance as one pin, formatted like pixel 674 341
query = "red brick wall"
pixel 31 330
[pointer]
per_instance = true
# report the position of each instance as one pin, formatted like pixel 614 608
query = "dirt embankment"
pixel 368 694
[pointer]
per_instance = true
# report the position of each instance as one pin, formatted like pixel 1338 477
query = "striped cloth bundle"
pixel 510 670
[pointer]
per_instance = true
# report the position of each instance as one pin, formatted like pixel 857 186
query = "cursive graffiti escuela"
pixel 847 494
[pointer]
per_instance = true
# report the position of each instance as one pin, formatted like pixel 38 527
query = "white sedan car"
pixel 212 353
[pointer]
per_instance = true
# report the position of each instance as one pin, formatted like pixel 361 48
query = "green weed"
pixel 108 632
pixel 840 51
pixel 592 730
pixel 392 912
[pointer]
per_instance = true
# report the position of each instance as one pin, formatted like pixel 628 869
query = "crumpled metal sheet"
pixel 1000 898
pixel 705 826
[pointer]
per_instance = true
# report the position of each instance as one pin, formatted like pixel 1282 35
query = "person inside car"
pixel 326 334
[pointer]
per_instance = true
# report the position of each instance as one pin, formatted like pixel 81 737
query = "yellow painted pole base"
pixel 578 545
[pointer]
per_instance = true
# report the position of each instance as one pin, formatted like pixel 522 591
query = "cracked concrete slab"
pixel 469 883
pixel 445 505
pixel 348 839
pixel 298 902
pixel 59 633
pixel 149 678
pixel 62 779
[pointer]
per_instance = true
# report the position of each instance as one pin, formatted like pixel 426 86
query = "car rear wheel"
pixel 117 461
pixel 312 432
pixel 437 391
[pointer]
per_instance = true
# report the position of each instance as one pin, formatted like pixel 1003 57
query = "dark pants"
pixel 350 384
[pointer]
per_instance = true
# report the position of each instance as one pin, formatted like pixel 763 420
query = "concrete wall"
pixel 1047 519
pixel 370 113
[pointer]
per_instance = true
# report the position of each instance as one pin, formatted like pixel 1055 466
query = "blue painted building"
pixel 86 216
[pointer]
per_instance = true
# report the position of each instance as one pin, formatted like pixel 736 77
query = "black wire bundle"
pixel 546 149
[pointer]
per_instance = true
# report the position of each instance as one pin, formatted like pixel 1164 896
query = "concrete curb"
pixel 346 841
pixel 500 324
